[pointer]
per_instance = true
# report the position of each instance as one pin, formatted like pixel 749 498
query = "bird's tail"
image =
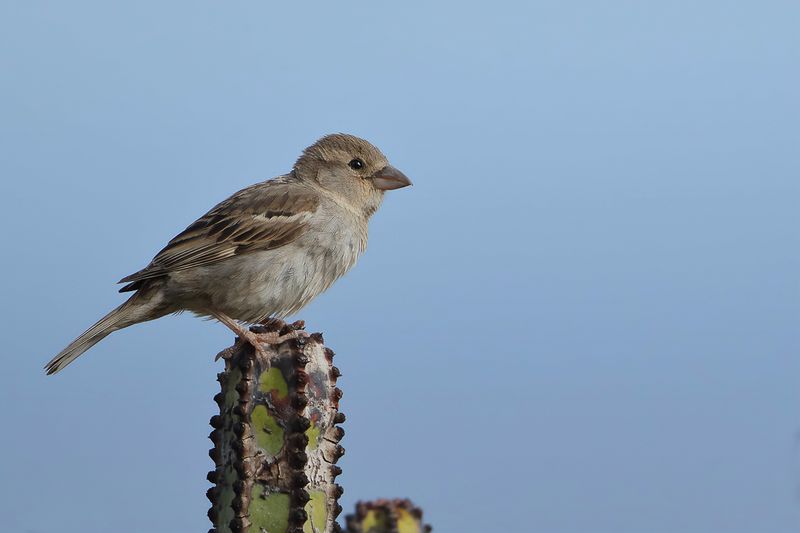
pixel 135 310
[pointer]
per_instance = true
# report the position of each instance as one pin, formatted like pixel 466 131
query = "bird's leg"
pixel 244 333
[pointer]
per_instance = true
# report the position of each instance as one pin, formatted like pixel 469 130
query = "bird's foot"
pixel 274 337
pixel 275 331
pixel 272 332
pixel 258 340
pixel 253 339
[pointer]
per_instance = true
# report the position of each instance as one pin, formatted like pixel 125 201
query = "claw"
pixel 226 354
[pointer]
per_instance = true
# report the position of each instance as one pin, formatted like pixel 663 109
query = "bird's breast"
pixel 277 282
pixel 309 266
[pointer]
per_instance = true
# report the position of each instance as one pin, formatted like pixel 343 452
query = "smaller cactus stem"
pixel 387 516
pixel 276 442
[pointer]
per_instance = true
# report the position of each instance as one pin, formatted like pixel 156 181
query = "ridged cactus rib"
pixel 387 516
pixel 276 442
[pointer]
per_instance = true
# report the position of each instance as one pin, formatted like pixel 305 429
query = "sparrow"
pixel 263 253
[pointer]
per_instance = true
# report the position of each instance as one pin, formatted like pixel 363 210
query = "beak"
pixel 389 178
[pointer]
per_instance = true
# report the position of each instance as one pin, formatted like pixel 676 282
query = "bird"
pixel 263 253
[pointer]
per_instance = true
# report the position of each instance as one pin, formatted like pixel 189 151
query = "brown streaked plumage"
pixel 264 252
pixel 260 217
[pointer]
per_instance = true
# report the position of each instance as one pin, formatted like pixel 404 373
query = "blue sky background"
pixel 582 319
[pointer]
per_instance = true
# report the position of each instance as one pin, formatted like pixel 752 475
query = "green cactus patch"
pixel 406 523
pixel 231 396
pixel 376 520
pixel 269 435
pixel 317 512
pixel 268 513
pixel 273 380
pixel 226 496
pixel 313 435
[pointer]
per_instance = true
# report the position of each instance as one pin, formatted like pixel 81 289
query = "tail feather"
pixel 127 314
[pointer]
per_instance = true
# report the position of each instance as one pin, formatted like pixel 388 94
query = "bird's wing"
pixel 261 217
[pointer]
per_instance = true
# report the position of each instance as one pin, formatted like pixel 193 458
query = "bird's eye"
pixel 356 164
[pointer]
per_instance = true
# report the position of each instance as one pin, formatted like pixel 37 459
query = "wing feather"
pixel 261 217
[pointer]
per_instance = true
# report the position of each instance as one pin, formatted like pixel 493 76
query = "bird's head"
pixel 351 168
